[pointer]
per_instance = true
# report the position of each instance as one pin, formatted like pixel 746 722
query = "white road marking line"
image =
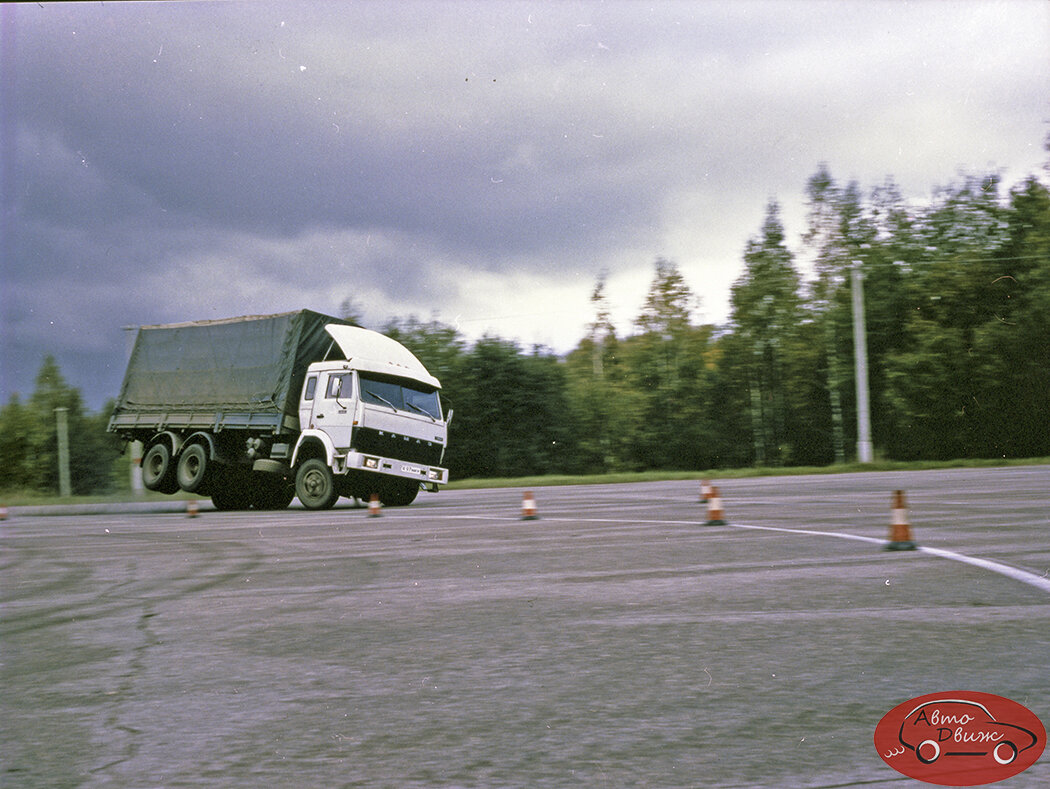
pixel 840 535
pixel 1024 576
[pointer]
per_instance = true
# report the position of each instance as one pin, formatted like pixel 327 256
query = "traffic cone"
pixel 373 506
pixel 528 507
pixel 3 512
pixel 900 531
pixel 705 491
pixel 715 516
pixel 192 511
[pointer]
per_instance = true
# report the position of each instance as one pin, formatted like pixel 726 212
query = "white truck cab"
pixel 373 418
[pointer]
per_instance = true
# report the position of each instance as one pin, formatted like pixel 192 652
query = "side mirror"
pixel 448 420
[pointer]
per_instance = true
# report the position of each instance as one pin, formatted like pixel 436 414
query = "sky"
pixel 481 163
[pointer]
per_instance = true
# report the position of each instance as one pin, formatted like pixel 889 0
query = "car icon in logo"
pixel 949 727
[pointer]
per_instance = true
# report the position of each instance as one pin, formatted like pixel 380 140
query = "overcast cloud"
pixel 478 161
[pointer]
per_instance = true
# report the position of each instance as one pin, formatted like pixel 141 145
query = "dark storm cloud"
pixel 265 131
pixel 175 161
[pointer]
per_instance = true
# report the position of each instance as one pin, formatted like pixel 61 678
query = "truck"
pixel 257 410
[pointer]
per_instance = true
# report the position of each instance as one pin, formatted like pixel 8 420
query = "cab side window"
pixel 311 387
pixel 339 385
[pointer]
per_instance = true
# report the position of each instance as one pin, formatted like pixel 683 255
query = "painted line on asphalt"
pixel 1024 576
pixel 1038 581
pixel 840 535
pixel 1017 574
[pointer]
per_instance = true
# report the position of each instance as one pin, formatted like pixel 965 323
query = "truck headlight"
pixel 371 462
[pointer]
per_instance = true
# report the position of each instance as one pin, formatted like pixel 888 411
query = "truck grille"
pixel 392 445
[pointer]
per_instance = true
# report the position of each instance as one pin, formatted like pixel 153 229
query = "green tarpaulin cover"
pixel 250 364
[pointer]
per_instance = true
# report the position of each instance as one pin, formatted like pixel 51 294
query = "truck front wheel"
pixel 315 485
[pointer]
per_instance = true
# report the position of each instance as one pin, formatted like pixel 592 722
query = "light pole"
pixel 860 359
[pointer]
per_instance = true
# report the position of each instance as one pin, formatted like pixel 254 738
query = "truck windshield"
pixel 400 395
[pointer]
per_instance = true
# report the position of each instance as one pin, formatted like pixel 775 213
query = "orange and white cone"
pixel 528 507
pixel 373 506
pixel 705 491
pixel 192 510
pixel 900 530
pixel 715 516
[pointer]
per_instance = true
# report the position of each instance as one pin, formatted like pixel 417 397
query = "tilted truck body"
pixel 254 411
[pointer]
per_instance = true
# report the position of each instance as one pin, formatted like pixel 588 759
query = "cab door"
pixel 333 410
pixel 306 403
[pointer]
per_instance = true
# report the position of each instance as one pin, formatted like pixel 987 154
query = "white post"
pixel 64 487
pixel 130 334
pixel 860 356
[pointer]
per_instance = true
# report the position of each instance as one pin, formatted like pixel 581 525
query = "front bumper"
pixel 421 472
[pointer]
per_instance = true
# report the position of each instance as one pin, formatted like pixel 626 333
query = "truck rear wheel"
pixel 193 469
pixel 227 497
pixel 315 485
pixel 158 470
pixel 272 494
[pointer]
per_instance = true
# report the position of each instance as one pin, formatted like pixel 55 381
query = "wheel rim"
pixel 154 466
pixel 158 470
pixel 192 468
pixel 315 484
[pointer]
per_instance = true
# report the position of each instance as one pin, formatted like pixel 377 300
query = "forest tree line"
pixel 957 305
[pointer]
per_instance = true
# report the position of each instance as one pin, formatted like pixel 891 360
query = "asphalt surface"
pixel 615 641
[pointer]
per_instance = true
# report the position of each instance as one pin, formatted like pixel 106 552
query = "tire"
pixel 193 468
pixel 229 494
pixel 158 470
pixel 398 493
pixel 315 485
pixel 271 494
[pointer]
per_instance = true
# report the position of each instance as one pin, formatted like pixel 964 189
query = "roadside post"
pixel 62 424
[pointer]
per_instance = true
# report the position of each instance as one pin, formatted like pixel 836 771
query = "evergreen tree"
pixel 29 439
pixel 512 415
pixel 765 304
pixel 667 364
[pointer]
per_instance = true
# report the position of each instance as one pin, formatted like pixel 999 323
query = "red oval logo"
pixel 960 738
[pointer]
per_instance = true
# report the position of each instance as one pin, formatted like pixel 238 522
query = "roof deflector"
pixel 374 352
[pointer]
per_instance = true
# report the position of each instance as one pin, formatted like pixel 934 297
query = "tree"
pixel 1012 346
pixel 439 346
pixel 29 443
pixel 601 331
pixel 18 465
pixel 668 304
pixel 351 311
pixel 878 236
pixel 765 304
pixel 512 416
pixel 596 394
pixel 824 237
pixel 668 365
pixel 935 379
